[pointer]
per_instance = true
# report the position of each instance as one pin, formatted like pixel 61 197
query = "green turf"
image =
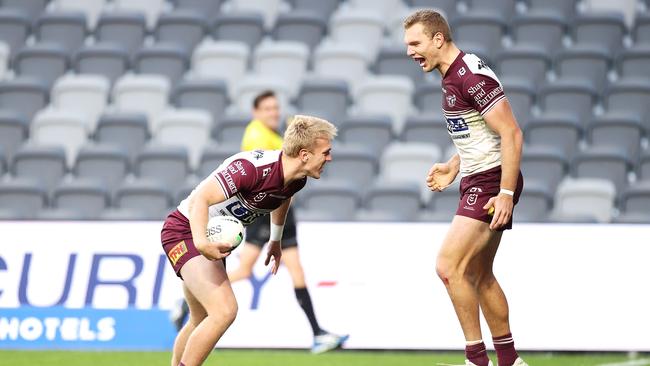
pixel 283 358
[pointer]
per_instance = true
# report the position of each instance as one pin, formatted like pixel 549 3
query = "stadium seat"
pixel 428 99
pixel 633 63
pixel 168 164
pixel 627 8
pixel 151 9
pixel 45 165
pixel 126 30
pixel 539 30
pixel 59 214
pixel 636 199
pixel 524 65
pixel 570 98
pixel 85 94
pixel 374 132
pixel 126 214
pixel 225 60
pixel 386 95
pixel 401 198
pixel 443 205
pixel 545 165
pixel 521 97
pixel 241 27
pixel 253 84
pixel 182 28
pixel 24 198
pixel 354 163
pixel 14 129
pixel 208 95
pixel 641 31
pixel 305 27
pixel 209 8
pixel 324 8
pixel 167 60
pixel 644 166
pixel 129 131
pixel 391 61
pixel 559 132
pixel 428 129
pixel 341 61
pixel 322 97
pixel 535 203
pixel 480 33
pixel 630 98
pixel 603 162
pixel 587 65
pixel 151 199
pixel 212 157
pixel 340 199
pixel 368 215
pixel 90 8
pixel 143 94
pixel 3 162
pixel 409 162
pixel 107 60
pixel 566 9
pixel 230 130
pixel 505 8
pixel 604 30
pixel 68 29
pixel 284 60
pixel 108 164
pixel 268 8
pixel 189 128
pixel 87 197
pixel 23 96
pixel 14 28
pixel 185 189
pixel 585 197
pixel 60 127
pixel 617 131
pixel 384 8
pixel 358 28
pixel 43 62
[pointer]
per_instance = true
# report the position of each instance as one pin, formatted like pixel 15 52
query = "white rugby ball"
pixel 225 229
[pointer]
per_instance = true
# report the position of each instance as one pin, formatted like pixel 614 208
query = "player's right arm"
pixel 206 194
pixel 441 175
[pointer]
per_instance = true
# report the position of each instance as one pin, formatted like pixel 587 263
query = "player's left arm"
pixel 501 120
pixel 278 218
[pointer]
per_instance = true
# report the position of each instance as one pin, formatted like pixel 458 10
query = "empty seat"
pixel 644 166
pixel 428 99
pixel 410 162
pixel 428 128
pixel 539 30
pixel 14 28
pixel 90 8
pixel 399 198
pixel 388 95
pixel 186 189
pixel 341 199
pixel 43 62
pixel 212 157
pixel 354 163
pixel 358 28
pixel 124 214
pixel 326 98
pixel 589 65
pixel 4 59
pixel 305 27
pixel 569 98
pixel 481 33
pixel 126 30
pixel 561 133
pixel 544 165
pixel 107 60
pixel 67 29
pixel 182 28
pixel 209 8
pixel 241 27
pixel 603 162
pixel 383 8
pixel 167 60
pixel 284 60
pixel 24 198
pixel 45 165
pixel 107 164
pixel 269 9
pixel 150 198
pixel 129 131
pixel 521 97
pixel 13 131
pixel 524 65
pixel 617 131
pixel 604 30
pixel 636 199
pixel 535 203
pixel 563 8
pixel 630 98
pixel 146 94
pixel 392 61
pixel 88 197
pixel 499 7
pixel 633 63
pixel 23 96
pixel 84 94
pixel 167 164
pixel 189 128
pixel 341 61
pixel 151 9
pixel 585 198
pixel 254 84
pixel 324 8
pixel 30 8
pixel 3 162
pixel 60 127
pixel 225 60
pixel 444 204
pixel 230 130
pixel 209 95
pixel 60 214
pixel 641 31
pixel 374 132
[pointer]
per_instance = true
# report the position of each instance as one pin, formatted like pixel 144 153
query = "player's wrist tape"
pixel 276 232
pixel 507 191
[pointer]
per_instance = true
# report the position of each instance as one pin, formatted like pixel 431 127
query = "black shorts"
pixel 258 232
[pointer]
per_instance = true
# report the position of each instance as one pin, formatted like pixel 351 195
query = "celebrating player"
pixel 246 186
pixel 261 133
pixel 489 142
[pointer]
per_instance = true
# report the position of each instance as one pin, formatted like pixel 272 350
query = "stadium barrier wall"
pixel 98 285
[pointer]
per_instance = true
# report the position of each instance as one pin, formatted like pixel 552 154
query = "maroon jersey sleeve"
pixel 239 175
pixel 482 92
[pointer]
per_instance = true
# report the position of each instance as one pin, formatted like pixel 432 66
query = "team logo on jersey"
pixel 473 197
pixel 451 100
pixel 260 196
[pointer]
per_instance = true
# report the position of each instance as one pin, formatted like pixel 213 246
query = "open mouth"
pixel 420 60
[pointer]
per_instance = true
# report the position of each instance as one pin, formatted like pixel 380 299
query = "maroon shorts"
pixel 176 237
pixel 477 189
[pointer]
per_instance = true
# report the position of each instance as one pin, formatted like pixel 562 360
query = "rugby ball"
pixel 225 229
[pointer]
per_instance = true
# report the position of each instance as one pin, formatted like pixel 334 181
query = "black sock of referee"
pixel 304 300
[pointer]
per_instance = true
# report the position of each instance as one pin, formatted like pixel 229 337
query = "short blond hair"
pixel 432 23
pixel 303 131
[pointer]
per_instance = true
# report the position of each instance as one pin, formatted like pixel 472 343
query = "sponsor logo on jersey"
pixel 258 154
pixel 476 88
pixel 451 100
pixel 231 184
pixel 177 252
pixel 259 197
pixel 462 71
pixel 244 215
pixel 266 172
pixel 458 128
pixel 482 65
pixel 486 99
pixel 240 167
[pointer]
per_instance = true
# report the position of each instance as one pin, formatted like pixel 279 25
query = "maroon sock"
pixel 505 347
pixel 477 354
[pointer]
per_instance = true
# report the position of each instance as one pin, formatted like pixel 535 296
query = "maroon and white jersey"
pixel 469 90
pixel 253 183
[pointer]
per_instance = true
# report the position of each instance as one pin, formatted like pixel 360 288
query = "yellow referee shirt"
pixel 259 137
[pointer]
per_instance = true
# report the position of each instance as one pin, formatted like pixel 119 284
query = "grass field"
pixel 289 358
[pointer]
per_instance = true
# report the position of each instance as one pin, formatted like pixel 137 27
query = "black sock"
pixel 304 300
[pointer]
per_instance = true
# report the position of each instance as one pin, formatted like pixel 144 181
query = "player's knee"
pixel 230 312
pixel 445 270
